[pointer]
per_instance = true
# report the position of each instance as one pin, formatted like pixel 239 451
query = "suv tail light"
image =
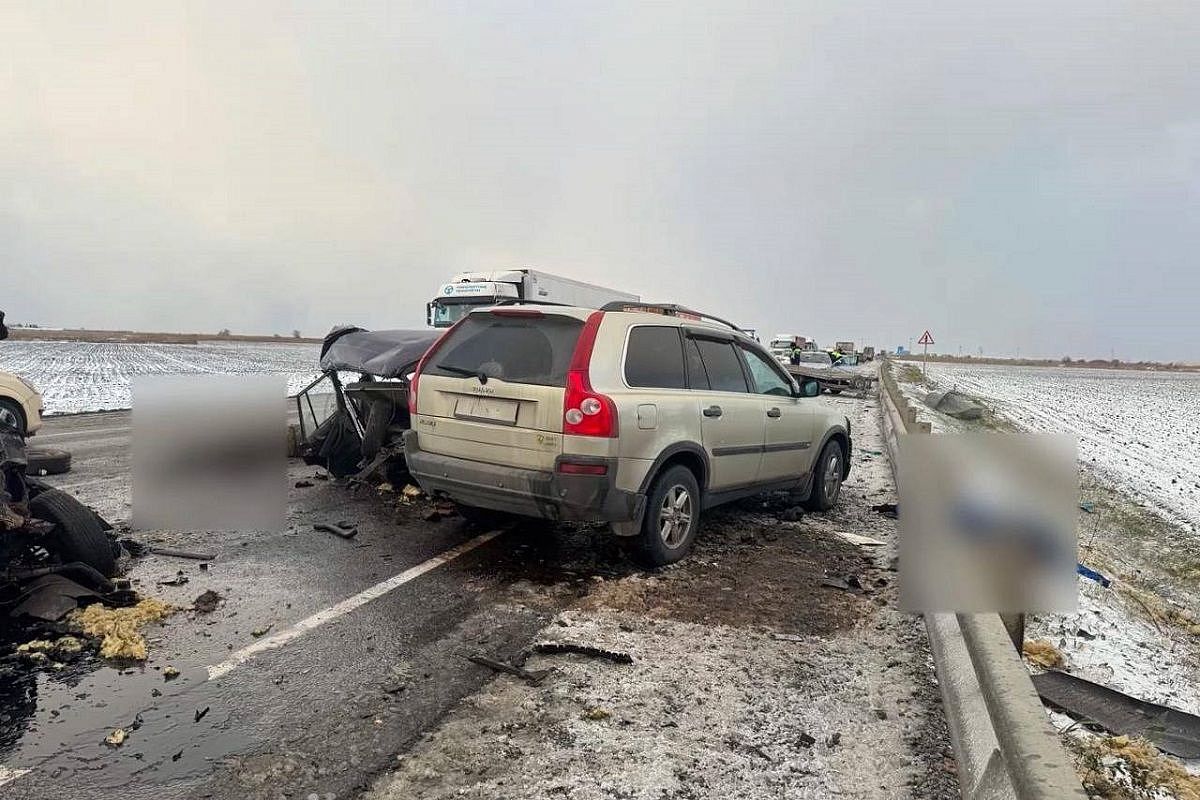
pixel 412 383
pixel 585 411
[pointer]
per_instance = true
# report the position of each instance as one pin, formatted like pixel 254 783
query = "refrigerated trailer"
pixel 469 290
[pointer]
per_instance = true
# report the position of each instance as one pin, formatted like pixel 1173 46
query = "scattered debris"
pixel 555 648
pixel 64 648
pixel 170 673
pixel 207 602
pixel 1177 732
pixel 861 541
pixel 834 739
pixel 596 714
pixel 787 637
pixel 1088 506
pixel 793 514
pixel 173 553
pixel 532 676
pixel 1044 654
pixel 954 404
pixel 177 756
pixel 303 484
pixel 411 492
pixel 346 532
pixel 258 632
pixel 52 597
pixel 200 713
pixel 850 583
pixel 1111 766
pixel 805 740
pixel 385 488
pixel 116 738
pixel 887 509
pixel 1090 573
pixel 179 580
pixel 121 627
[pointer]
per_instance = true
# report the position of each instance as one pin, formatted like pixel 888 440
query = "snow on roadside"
pixel 1138 429
pixel 94 376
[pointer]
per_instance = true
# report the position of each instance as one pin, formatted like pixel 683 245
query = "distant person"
pixel 3 329
pixel 794 356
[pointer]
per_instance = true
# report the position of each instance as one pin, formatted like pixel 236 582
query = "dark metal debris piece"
pixel 1174 731
pixel 337 530
pixel 179 580
pixel 200 713
pixel 303 484
pixel 887 509
pixel 533 676
pixel 555 648
pixel 207 602
pixel 172 552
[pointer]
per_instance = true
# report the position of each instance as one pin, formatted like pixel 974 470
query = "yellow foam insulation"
pixel 1044 654
pixel 121 627
pixel 1148 772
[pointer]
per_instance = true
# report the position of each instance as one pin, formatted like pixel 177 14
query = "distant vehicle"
pixel 847 360
pixel 639 416
pixel 20 401
pixel 784 343
pixel 467 291
pixel 844 347
pixel 867 354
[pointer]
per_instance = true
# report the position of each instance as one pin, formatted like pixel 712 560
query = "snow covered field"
pixel 86 376
pixel 1139 430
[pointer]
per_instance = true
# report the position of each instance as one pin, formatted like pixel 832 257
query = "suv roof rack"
pixel 667 309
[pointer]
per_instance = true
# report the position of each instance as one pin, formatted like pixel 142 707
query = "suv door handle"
pixel 712 411
pixel 774 412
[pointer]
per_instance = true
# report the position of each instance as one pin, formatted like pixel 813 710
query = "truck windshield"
pixel 446 314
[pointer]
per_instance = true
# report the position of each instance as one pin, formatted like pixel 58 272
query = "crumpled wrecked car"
pixel 53 549
pixel 353 417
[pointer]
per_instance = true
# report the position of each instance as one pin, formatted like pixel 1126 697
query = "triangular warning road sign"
pixel 925 338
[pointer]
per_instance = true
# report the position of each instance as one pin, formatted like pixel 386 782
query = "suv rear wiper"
pixel 467 373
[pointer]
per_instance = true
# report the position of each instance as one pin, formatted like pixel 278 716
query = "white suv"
pixel 636 415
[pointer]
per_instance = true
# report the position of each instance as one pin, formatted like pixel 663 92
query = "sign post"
pixel 925 341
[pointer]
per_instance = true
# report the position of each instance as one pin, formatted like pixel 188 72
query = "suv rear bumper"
pixel 528 492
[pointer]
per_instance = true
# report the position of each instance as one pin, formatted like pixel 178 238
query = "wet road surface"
pixel 325 710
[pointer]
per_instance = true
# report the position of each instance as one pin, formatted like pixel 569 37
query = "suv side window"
pixel 766 377
pixel 723 366
pixel 654 358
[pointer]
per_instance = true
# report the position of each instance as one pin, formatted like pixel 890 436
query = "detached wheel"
pixel 77 534
pixel 672 518
pixel 47 461
pixel 827 478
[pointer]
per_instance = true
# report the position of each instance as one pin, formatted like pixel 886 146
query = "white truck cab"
pixel 470 290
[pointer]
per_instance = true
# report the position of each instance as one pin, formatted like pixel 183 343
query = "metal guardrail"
pixel 1004 744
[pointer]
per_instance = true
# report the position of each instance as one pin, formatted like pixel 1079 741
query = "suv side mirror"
pixel 810 387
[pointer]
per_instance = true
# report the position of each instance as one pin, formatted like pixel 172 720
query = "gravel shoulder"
pixel 749 678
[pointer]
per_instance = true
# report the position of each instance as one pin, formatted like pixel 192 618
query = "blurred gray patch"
pixel 209 452
pixel 987 523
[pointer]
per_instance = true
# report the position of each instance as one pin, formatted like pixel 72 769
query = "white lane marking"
pixel 8 775
pixel 346 606
pixel 81 432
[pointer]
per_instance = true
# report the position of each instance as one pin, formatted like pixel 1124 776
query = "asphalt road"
pixel 335 700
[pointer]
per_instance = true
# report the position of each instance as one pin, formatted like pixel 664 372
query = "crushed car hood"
pixel 386 354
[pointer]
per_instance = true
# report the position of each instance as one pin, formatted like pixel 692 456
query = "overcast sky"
pixel 1019 176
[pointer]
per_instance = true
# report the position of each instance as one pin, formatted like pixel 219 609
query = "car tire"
pixel 11 411
pixel 485 518
pixel 827 478
pixel 77 534
pixel 671 519
pixel 46 461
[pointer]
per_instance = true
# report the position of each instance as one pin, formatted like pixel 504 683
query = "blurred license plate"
pixel 487 409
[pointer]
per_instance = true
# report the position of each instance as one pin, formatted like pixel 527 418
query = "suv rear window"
pixel 534 350
pixel 654 358
pixel 723 366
